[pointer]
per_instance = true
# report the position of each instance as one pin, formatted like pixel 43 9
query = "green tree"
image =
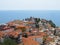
pixel 25 35
pixel 52 24
pixel 8 41
pixel 36 22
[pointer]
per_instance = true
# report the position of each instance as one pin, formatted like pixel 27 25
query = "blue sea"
pixel 6 16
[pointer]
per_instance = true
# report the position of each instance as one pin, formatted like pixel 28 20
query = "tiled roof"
pixel 42 34
pixel 19 26
pixel 30 22
pixel 15 33
pixel 49 39
pixel 1 34
pixel 29 41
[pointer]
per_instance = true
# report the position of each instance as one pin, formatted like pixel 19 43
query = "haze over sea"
pixel 6 16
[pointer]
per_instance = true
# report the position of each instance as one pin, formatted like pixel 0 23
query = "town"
pixel 30 31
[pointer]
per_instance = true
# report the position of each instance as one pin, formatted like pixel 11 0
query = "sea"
pixel 10 15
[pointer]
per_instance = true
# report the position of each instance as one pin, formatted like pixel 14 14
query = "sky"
pixel 29 4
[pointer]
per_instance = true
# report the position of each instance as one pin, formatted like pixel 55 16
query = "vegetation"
pixel 52 24
pixel 37 21
pixel 8 41
pixel 37 26
pixel 23 29
pixel 25 35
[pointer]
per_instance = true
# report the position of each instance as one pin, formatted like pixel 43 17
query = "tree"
pixel 23 29
pixel 25 35
pixel 36 22
pixel 37 25
pixel 52 24
pixel 8 41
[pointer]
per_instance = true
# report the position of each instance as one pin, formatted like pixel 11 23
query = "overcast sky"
pixel 29 4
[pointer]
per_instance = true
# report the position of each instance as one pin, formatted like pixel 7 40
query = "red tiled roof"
pixel 49 39
pixel 20 26
pixel 42 34
pixel 29 41
pixel 1 34
pixel 15 33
